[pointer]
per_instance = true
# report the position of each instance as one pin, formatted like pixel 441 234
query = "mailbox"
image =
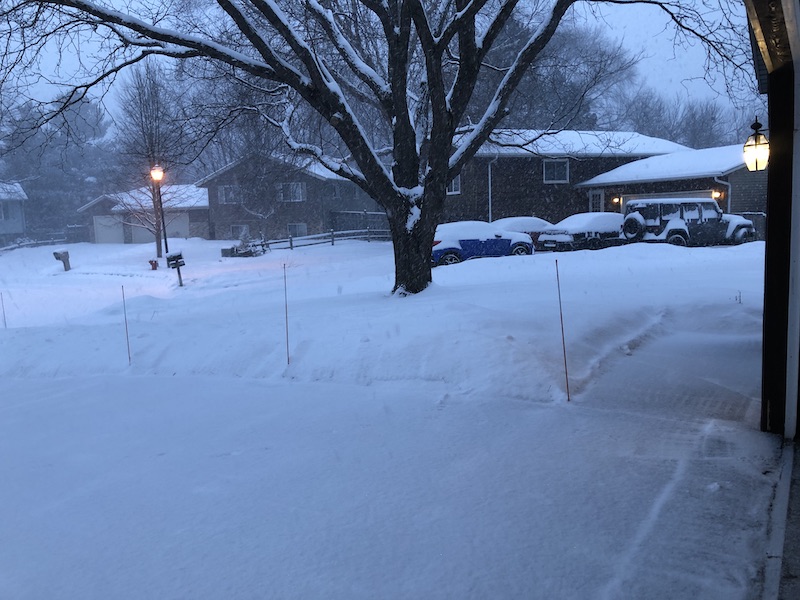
pixel 175 261
pixel 63 257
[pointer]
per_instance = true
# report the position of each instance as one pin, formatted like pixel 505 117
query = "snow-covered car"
pixel 684 222
pixel 533 226
pixel 592 230
pixel 462 240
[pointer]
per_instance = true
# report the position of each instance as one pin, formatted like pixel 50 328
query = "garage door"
pixel 108 230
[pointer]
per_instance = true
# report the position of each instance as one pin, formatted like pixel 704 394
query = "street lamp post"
pixel 157 174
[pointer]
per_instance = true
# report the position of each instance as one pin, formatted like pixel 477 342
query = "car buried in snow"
pixel 684 222
pixel 533 226
pixel 463 240
pixel 590 230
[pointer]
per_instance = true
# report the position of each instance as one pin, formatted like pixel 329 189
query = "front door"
pixel 597 201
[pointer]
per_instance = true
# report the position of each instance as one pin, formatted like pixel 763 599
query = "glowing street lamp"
pixel 756 149
pixel 157 174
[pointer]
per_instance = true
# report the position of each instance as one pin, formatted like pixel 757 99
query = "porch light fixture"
pixel 615 200
pixel 756 149
pixel 157 174
pixel 716 194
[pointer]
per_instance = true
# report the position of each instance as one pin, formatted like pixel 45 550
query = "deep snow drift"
pixel 415 447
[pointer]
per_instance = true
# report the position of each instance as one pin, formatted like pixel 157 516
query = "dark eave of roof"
pixel 768 25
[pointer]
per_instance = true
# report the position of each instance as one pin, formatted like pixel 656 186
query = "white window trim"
pixel 454 187
pixel 547 161
pixel 224 197
pixel 289 229
pixel 298 187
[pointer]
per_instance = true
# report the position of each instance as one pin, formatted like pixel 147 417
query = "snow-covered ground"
pixel 384 447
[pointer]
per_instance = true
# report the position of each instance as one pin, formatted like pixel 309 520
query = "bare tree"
pixel 694 122
pixel 151 131
pixel 393 79
pixel 61 165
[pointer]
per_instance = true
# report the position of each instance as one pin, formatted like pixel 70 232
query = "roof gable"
pixel 305 165
pixel 174 197
pixel 12 191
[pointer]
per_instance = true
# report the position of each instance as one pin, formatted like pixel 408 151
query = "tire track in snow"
pixel 613 589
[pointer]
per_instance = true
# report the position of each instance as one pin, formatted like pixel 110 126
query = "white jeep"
pixel 684 222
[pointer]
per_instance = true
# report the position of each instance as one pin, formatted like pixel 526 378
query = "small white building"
pixel 12 213
pixel 128 217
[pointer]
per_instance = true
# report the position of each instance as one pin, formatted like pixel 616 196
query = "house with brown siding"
pixel 534 173
pixel 276 198
pixel 717 173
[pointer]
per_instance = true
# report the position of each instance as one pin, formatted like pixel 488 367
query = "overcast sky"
pixel 673 69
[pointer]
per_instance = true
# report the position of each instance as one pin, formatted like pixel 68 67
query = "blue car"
pixel 456 242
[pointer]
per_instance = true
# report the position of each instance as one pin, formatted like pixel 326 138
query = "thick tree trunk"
pixel 412 250
pixel 412 262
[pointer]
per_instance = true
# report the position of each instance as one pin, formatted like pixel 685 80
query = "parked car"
pixel 684 222
pixel 591 230
pixel 455 242
pixel 533 226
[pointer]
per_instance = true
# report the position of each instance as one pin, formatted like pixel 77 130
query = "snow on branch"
pixel 359 66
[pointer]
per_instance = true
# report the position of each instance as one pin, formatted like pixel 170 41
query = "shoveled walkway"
pixel 706 425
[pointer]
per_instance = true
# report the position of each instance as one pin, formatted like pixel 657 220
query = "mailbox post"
pixel 175 261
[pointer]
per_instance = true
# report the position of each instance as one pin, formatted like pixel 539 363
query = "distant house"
pixel 12 213
pixel 718 173
pixel 527 172
pixel 128 217
pixel 277 198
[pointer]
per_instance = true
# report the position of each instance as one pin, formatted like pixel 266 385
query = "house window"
pixel 297 229
pixel 240 232
pixel 228 194
pixel 294 191
pixel 556 171
pixel 454 187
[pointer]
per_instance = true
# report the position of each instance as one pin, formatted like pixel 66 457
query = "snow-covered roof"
pixel 688 164
pixel 174 197
pixel 308 166
pixel 524 142
pixel 12 191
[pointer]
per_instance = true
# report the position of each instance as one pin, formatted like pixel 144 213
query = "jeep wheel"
pixel 633 229
pixel 594 243
pixel 677 239
pixel 742 235
pixel 520 250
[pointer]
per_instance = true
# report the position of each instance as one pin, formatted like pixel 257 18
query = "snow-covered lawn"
pixel 417 448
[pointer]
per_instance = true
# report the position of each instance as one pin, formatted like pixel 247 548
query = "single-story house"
pixel 280 197
pixel 128 217
pixel 718 173
pixel 12 213
pixel 530 172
